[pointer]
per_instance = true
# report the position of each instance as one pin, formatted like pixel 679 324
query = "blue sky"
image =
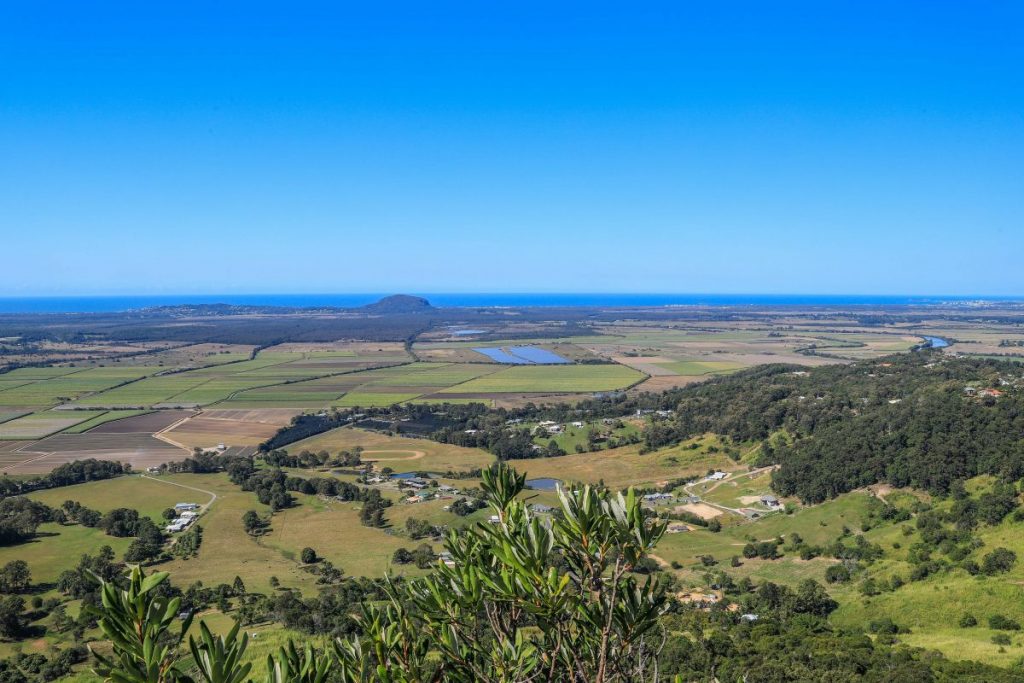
pixel 790 147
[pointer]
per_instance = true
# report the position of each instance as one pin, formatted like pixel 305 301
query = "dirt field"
pixel 702 510
pixel 41 463
pixel 206 432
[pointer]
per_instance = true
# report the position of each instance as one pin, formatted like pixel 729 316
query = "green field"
pixel 551 379
pixel 39 425
pixel 623 467
pixel 31 387
pixel 150 496
pixel 437 457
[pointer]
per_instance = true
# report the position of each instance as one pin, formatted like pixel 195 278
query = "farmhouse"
pixel 578 424
pixel 677 528
pixel 716 476
pixel 179 507
pixel 770 501
pixel 653 497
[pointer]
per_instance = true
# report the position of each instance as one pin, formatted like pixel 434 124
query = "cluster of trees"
pixel 423 556
pixel 68 474
pixel 307 459
pixel 20 517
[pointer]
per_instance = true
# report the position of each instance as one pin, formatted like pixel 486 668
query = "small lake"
pixel 544 484
pixel 522 355
pixel 936 342
pixel 466 333
pixel 413 475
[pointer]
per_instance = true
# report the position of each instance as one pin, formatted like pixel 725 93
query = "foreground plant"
pixel 525 599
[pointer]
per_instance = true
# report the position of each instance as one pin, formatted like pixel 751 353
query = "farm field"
pixel 39 425
pixel 550 379
pixel 42 387
pixel 207 432
pixel 103 418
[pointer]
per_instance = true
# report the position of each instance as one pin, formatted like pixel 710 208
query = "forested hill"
pixel 919 419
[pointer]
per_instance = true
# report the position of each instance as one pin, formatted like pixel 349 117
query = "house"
pixel 677 528
pixel 221 447
pixel 541 509
pixel 991 393
pixel 716 476
pixel 415 483
pixel 179 507
pixel 555 429
pixel 470 431
pixel 153 470
pixel 664 413
pixel 701 600
pixel 749 617
pixel 188 514
pixel 970 391
pixel 770 501
pixel 494 519
pixel 894 401
pixel 445 488
pixel 547 423
pixel 578 424
pixel 652 497
pixel 423 495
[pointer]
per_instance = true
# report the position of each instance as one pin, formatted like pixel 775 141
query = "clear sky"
pixel 782 147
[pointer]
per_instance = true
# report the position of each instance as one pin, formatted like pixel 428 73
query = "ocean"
pixel 107 304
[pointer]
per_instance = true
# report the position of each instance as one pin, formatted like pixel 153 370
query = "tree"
pixel 12 616
pixel 15 577
pixel 238 586
pixel 252 523
pixel 837 573
pixel 169 514
pixel 999 561
pixel 308 556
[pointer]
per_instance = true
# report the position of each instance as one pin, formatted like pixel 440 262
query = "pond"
pixel 523 355
pixel 544 484
pixel 413 475
pixel 501 356
pixel 936 342
pixel 536 354
pixel 465 333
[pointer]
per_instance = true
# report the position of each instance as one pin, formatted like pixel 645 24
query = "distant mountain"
pixel 399 304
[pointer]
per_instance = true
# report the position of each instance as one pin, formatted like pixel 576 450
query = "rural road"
pixel 166 439
pixel 211 494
